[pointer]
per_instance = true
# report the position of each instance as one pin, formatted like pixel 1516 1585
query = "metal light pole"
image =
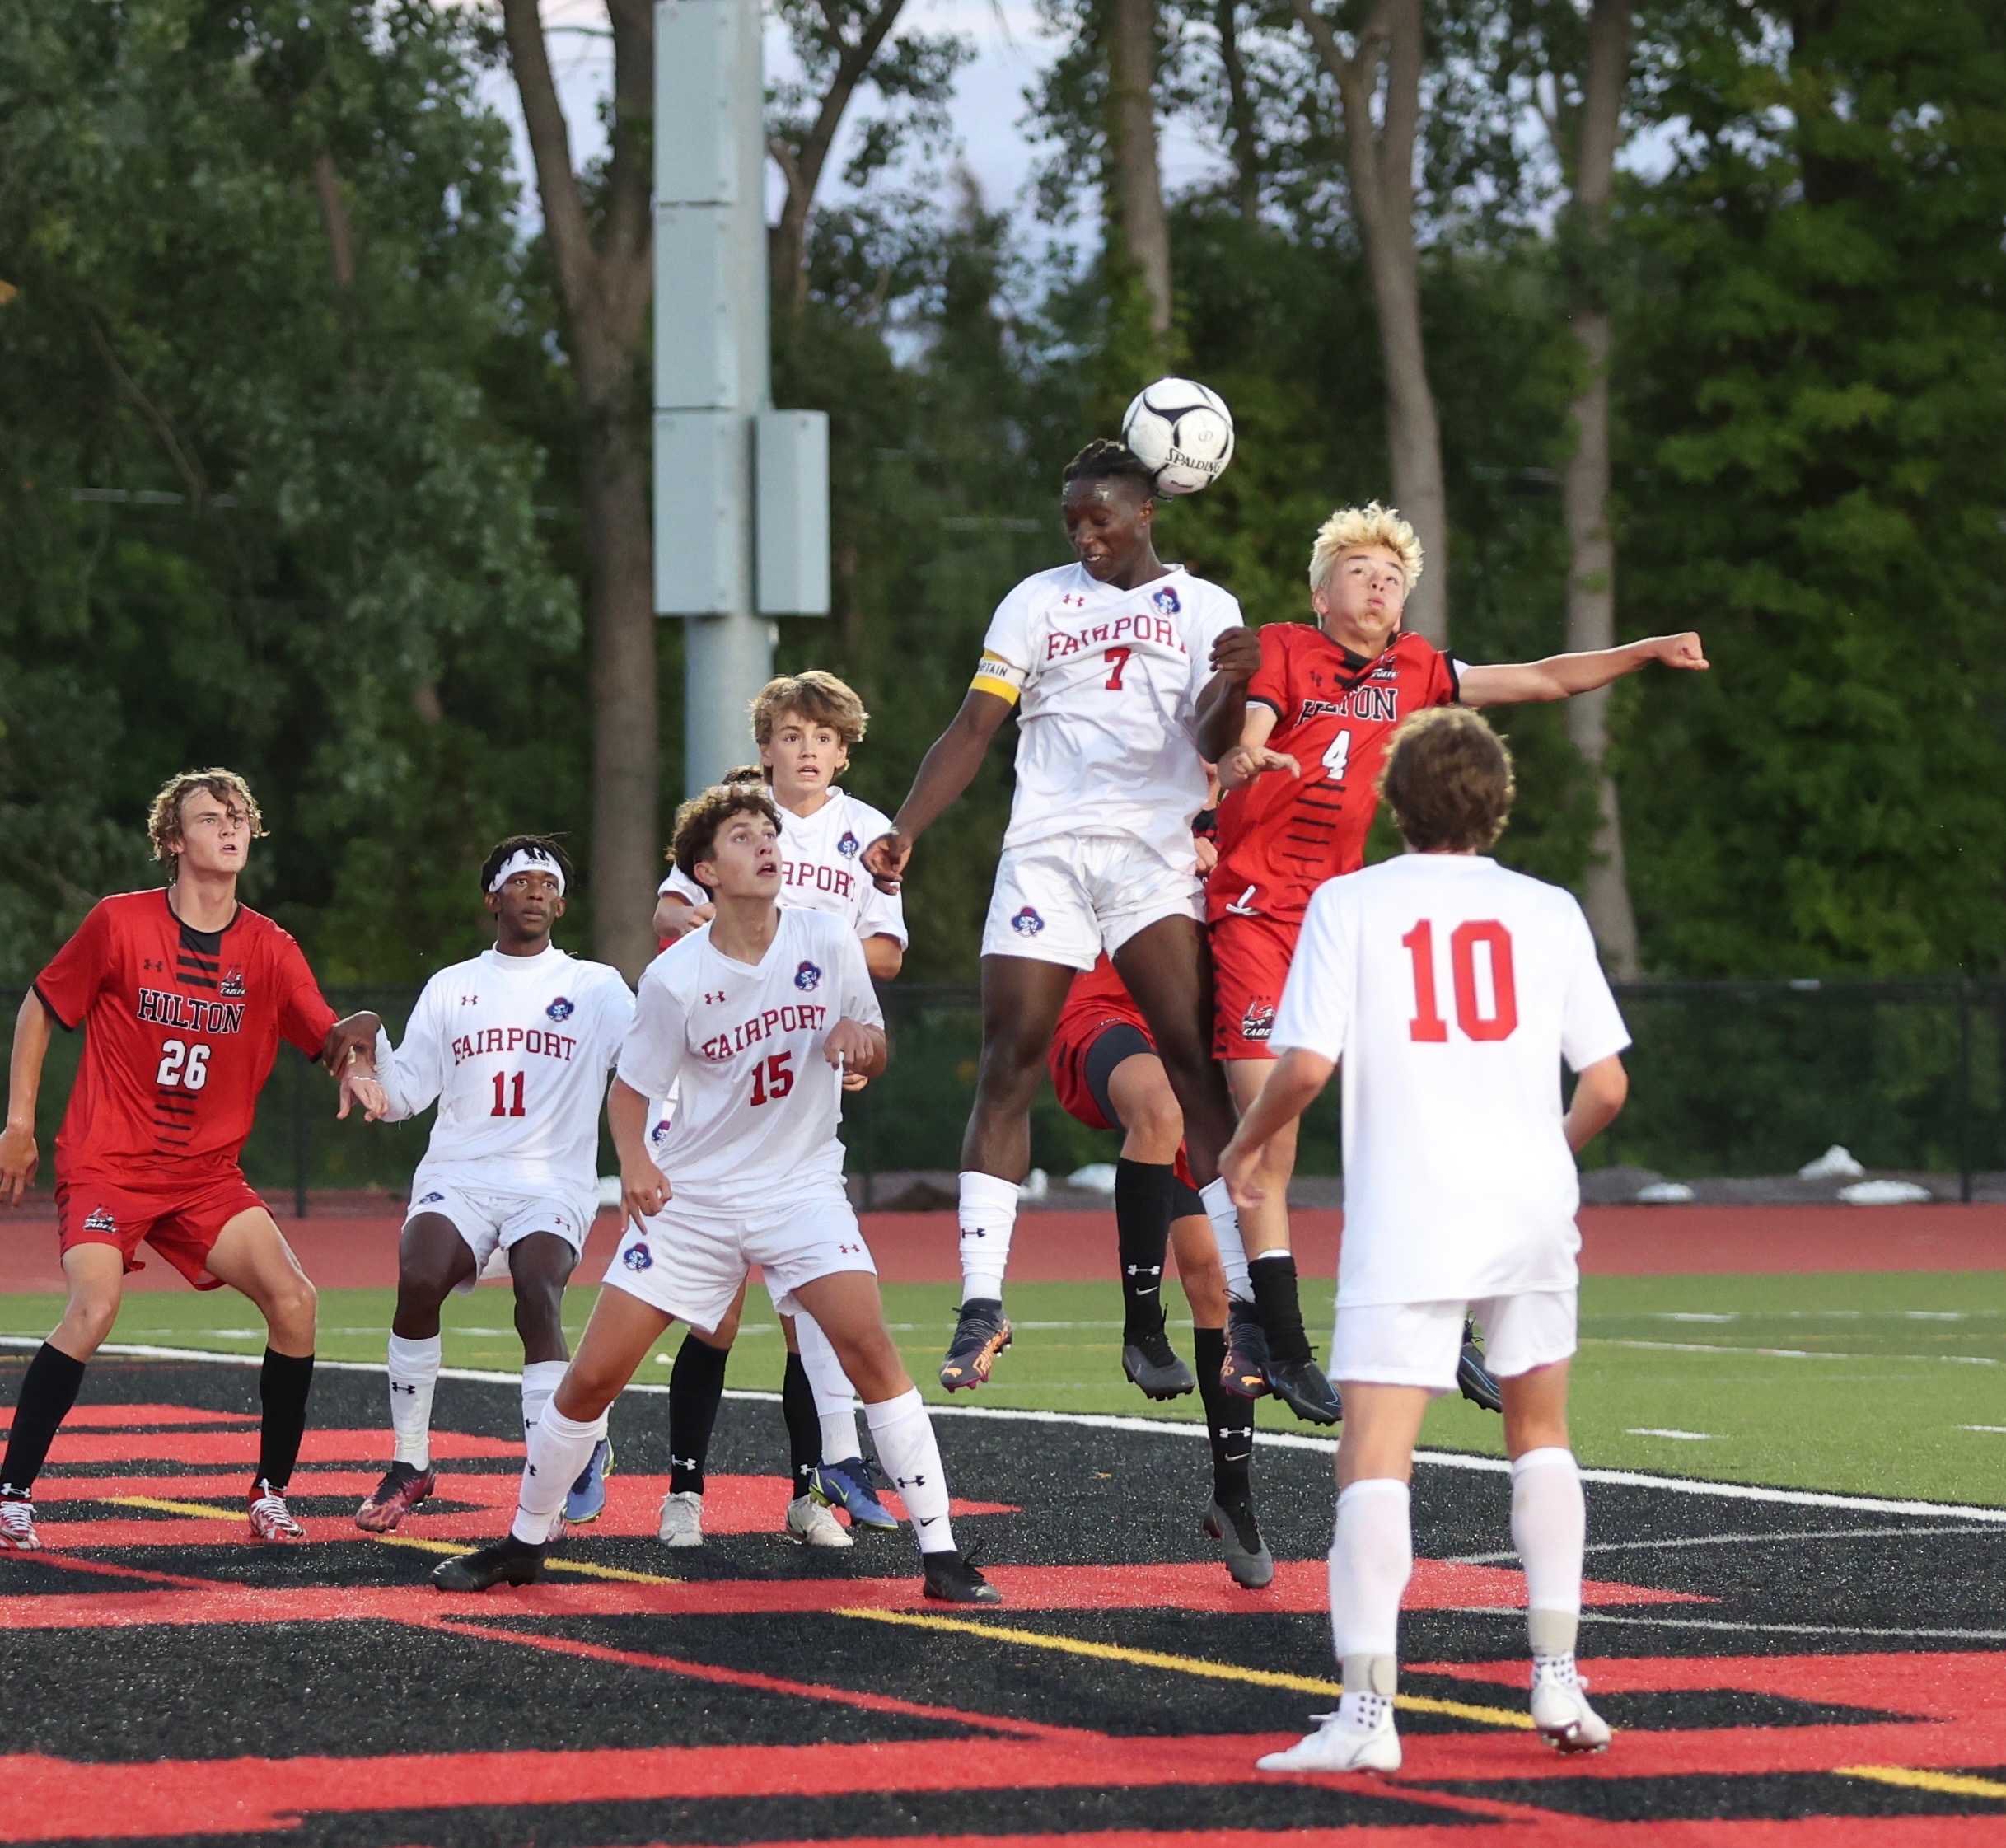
pixel 741 490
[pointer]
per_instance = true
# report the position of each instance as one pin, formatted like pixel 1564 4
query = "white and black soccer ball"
pixel 1182 430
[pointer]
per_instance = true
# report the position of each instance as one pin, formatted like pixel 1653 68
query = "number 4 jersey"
pixel 181 1029
pixel 1451 989
pixel 516 1049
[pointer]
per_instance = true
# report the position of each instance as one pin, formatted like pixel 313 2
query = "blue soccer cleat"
pixel 848 1485
pixel 587 1499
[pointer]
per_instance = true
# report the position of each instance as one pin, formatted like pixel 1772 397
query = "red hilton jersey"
pixel 182 1027
pixel 1280 837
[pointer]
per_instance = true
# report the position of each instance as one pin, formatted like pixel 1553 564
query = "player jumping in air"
pixel 1449 990
pixel 805 726
pixel 1300 799
pixel 185 994
pixel 755 1017
pixel 1127 673
pixel 515 1046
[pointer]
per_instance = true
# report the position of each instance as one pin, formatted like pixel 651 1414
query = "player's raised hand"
pixel 853 1047
pixel 19 1158
pixel 1245 762
pixel 885 860
pixel 1236 654
pixel 675 921
pixel 644 1190
pixel 1680 651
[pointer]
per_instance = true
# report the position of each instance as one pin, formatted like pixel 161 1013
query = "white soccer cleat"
pixel 682 1519
pixel 17 1533
pixel 811 1524
pixel 1336 1747
pixel 1560 1710
pixel 271 1520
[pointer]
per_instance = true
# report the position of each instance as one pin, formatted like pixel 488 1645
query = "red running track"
pixel 341 1251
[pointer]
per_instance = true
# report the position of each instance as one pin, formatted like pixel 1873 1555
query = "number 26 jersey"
pixel 758 1104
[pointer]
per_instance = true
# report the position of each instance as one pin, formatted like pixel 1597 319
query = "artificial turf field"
pixel 1785 1668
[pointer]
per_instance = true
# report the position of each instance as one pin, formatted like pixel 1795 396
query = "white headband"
pixel 528 859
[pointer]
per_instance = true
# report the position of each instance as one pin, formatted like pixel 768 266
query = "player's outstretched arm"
pixel 644 1188
pixel 855 1050
pixel 945 772
pixel 19 1158
pixel 1561 676
pixel 676 917
pixel 1222 707
pixel 1292 1086
pixel 1251 756
pixel 1600 1093
pixel 352 1042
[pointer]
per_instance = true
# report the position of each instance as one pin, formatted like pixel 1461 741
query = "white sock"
pixel 1225 1218
pixel 987 1216
pixel 560 1447
pixel 540 1379
pixel 835 1399
pixel 1370 1681
pixel 906 1447
pixel 1550 1527
pixel 413 1378
pixel 1372 1558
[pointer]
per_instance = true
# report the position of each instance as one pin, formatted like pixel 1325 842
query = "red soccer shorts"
pixel 181 1223
pixel 1250 963
pixel 1071 1069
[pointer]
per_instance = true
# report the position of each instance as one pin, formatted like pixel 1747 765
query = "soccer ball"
pixel 1181 429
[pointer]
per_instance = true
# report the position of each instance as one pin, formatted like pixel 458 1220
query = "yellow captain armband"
pixel 1003 678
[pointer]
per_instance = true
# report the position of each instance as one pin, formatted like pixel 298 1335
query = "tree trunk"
pixel 1380 164
pixel 1584 487
pixel 1138 180
pixel 335 220
pixel 1243 126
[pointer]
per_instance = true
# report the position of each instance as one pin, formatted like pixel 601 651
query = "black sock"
pixel 1143 1191
pixel 283 1384
pixel 1229 1421
pixel 47 1390
pixel 804 1429
pixel 696 1389
pixel 1273 1279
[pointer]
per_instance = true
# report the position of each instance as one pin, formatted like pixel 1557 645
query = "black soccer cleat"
pixel 1247 1557
pixel 1302 1387
pixel 1478 1383
pixel 980 1336
pixel 509 1561
pixel 1244 1371
pixel 1151 1363
pixel 951 1579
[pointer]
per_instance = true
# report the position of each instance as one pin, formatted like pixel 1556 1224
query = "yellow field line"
pixel 1945 1783
pixel 1186 1665
pixel 209 1511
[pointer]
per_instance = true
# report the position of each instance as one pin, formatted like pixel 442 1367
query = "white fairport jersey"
pixel 757 1103
pixel 1452 988
pixel 516 1049
pixel 818 868
pixel 1110 681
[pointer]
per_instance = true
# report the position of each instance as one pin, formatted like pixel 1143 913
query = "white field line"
pixel 1511 1557
pixel 1784 1353
pixel 1165 1427
pixel 1592 1616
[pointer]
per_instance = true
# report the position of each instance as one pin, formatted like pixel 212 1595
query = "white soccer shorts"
pixel 493 1219
pixel 1417 1344
pixel 688 1263
pixel 1066 900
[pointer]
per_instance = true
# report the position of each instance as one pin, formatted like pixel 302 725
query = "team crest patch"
pixel 560 1009
pixel 232 985
pixel 1258 1021
pixel 100 1219
pixel 849 846
pixel 807 976
pixel 660 1133
pixel 432 1199
pixel 1027 923
pixel 637 1257
pixel 1165 601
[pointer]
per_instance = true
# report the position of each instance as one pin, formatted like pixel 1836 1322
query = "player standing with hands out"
pixel 755 1016
pixel 1449 989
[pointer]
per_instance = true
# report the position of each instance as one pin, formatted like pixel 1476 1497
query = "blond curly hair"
pixel 1351 527
pixel 164 818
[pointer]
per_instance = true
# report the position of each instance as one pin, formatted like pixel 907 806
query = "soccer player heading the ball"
pixel 757 1016
pixel 1450 991
pixel 1128 674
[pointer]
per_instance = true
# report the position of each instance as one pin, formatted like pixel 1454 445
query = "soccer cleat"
pixel 1560 1710
pixel 809 1524
pixel 951 1579
pixel 270 1519
pixel 682 1519
pixel 404 1486
pixel 1336 1747
pixel 1301 1386
pixel 17 1533
pixel 848 1485
pixel 1479 1384
pixel 1151 1363
pixel 1247 1557
pixel 1244 1371
pixel 508 1561
pixel 980 1336
pixel 587 1500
